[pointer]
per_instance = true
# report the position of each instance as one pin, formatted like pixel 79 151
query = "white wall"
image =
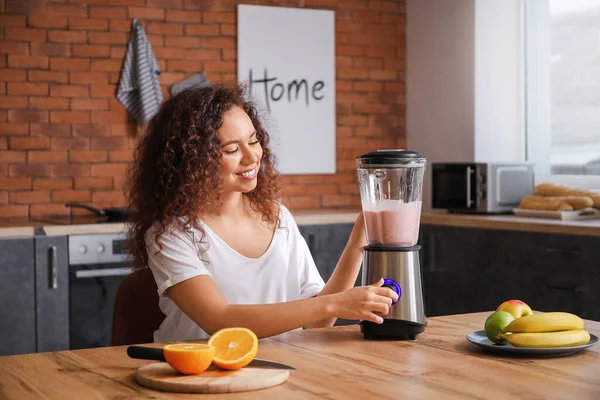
pixel 499 94
pixel 440 88
pixel 537 34
pixel 464 74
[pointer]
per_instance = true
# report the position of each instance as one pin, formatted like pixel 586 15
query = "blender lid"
pixel 391 156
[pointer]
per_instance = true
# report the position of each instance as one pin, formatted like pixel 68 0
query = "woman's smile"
pixel 249 173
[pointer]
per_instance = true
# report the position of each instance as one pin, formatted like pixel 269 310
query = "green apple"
pixel 495 323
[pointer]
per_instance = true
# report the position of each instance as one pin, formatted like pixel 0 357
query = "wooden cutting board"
pixel 160 376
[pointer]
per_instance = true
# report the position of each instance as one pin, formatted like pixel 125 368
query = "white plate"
pixel 586 213
pixel 479 338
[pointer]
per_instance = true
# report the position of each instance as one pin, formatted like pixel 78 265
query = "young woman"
pixel 223 250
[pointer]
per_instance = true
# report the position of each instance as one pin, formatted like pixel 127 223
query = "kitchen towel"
pixel 139 87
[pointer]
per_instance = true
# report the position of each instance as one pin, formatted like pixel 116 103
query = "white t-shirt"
pixel 285 272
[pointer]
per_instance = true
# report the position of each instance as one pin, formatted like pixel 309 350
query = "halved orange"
pixel 189 358
pixel 235 347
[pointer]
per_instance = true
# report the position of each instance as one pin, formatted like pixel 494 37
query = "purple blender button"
pixel 392 284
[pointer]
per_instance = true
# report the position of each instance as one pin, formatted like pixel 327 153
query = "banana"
pixel 545 322
pixel 575 337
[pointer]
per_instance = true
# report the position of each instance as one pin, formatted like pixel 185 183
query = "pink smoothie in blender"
pixel 392 223
pixel 391 191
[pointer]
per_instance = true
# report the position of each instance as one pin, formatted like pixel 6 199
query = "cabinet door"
pixel 465 270
pixel 591 289
pixel 52 293
pixel 17 296
pixel 499 272
pixel 448 267
pixel 326 244
pixel 556 272
pixel 334 241
pixel 469 270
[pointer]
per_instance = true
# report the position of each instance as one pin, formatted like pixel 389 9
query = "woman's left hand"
pixel 358 237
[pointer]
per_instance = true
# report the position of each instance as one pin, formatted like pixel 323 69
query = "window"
pixel 562 86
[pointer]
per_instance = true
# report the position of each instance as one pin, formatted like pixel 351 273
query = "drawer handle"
pixel 567 252
pixel 100 273
pixel 576 289
pixel 52 268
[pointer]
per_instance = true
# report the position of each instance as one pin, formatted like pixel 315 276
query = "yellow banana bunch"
pixel 552 329
pixel 545 322
pixel 575 337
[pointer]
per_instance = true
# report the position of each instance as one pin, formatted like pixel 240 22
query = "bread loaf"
pixel 550 189
pixel 577 202
pixel 596 199
pixel 533 202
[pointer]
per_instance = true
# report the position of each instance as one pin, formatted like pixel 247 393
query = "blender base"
pixel 391 329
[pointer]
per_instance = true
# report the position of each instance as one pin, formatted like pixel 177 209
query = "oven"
pixel 98 263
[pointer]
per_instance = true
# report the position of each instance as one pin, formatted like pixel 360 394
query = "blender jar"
pixel 391 184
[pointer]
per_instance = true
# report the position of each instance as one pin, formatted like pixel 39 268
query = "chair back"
pixel 136 314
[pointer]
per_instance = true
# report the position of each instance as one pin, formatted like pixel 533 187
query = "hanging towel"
pixel 139 88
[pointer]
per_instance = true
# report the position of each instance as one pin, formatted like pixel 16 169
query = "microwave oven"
pixel 480 187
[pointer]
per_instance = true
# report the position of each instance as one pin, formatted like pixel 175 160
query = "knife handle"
pixel 146 353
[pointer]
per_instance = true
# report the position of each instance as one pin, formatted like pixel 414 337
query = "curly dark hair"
pixel 175 172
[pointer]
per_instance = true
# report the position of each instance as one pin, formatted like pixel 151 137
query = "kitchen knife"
pixel 154 353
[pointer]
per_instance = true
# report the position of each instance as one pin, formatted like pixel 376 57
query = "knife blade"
pixel 157 354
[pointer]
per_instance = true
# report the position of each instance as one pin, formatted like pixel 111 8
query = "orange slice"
pixel 235 347
pixel 189 358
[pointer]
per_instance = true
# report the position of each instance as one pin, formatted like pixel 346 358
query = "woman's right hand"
pixel 367 303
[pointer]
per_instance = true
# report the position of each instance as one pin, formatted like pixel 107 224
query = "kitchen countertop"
pixel 333 363
pixel 87 225
pixel 590 227
pixel 59 226
pixel 17 231
pixel 19 227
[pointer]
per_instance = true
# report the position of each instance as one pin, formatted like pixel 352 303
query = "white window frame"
pixel 536 24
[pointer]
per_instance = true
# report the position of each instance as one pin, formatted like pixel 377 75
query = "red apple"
pixel 516 307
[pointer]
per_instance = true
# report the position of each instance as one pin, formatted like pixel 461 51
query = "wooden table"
pixel 333 363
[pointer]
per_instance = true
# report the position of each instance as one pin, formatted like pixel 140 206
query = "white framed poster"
pixel 286 57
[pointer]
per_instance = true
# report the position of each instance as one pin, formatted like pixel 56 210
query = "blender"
pixel 391 183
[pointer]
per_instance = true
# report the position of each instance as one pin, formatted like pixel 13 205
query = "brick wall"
pixel 65 137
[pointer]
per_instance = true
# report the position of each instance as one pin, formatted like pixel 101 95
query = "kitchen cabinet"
pixel 591 292
pixel 326 244
pixel 452 260
pixel 52 293
pixel 570 274
pixel 34 302
pixel 470 270
pixel 17 296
